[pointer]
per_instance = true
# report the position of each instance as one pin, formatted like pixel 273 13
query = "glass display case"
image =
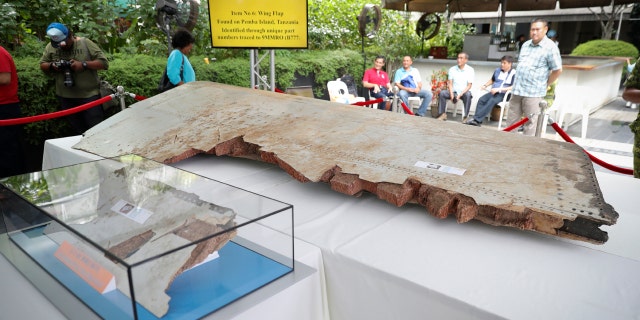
pixel 135 239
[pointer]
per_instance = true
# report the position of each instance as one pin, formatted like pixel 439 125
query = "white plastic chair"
pixel 455 107
pixel 410 100
pixel 572 100
pixel 460 103
pixel 338 92
pixel 504 108
pixel 416 100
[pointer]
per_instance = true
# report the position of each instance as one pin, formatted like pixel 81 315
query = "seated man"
pixel 377 81
pixel 500 83
pixel 409 82
pixel 458 87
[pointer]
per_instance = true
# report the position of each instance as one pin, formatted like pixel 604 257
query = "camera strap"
pixel 181 67
pixel 86 49
pixel 166 69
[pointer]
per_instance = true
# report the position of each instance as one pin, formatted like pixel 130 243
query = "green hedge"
pixel 140 74
pixel 606 48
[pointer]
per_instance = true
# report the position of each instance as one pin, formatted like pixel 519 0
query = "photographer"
pixel 73 62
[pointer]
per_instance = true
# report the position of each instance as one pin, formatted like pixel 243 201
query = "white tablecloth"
pixel 384 262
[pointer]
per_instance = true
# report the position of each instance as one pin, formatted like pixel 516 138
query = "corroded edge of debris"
pixel 438 202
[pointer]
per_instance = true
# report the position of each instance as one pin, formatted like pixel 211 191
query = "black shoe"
pixel 473 122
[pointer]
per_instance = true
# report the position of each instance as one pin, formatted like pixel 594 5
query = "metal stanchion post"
pixel 543 112
pixel 120 93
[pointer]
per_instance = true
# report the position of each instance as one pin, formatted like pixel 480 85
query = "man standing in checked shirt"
pixel 539 65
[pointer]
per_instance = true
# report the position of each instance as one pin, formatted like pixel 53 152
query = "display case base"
pixel 204 282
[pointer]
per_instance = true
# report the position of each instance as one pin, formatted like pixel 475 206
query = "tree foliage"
pixel 608 19
pixel 333 24
pixel 25 18
pixel 128 26
pixel 117 26
pixel 634 33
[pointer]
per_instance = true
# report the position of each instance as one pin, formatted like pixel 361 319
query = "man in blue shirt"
pixel 458 87
pixel 539 65
pixel 409 82
pixel 500 84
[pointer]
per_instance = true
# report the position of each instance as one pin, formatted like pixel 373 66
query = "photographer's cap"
pixel 57 32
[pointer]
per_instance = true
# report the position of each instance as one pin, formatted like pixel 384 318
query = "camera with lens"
pixel 65 66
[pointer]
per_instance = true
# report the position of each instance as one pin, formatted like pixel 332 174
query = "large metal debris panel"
pixel 509 179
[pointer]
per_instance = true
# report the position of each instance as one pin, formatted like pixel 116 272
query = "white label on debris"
pixel 440 167
pixel 132 212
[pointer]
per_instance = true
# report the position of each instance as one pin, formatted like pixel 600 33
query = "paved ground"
pixel 609 137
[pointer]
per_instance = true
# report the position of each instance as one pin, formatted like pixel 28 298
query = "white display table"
pixel 19 298
pixel 384 262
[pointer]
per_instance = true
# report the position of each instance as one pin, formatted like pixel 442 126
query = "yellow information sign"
pixel 258 23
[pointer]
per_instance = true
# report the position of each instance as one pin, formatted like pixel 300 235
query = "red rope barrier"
pixel 366 103
pixel 515 125
pixel 406 109
pixel 47 116
pixel 593 158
